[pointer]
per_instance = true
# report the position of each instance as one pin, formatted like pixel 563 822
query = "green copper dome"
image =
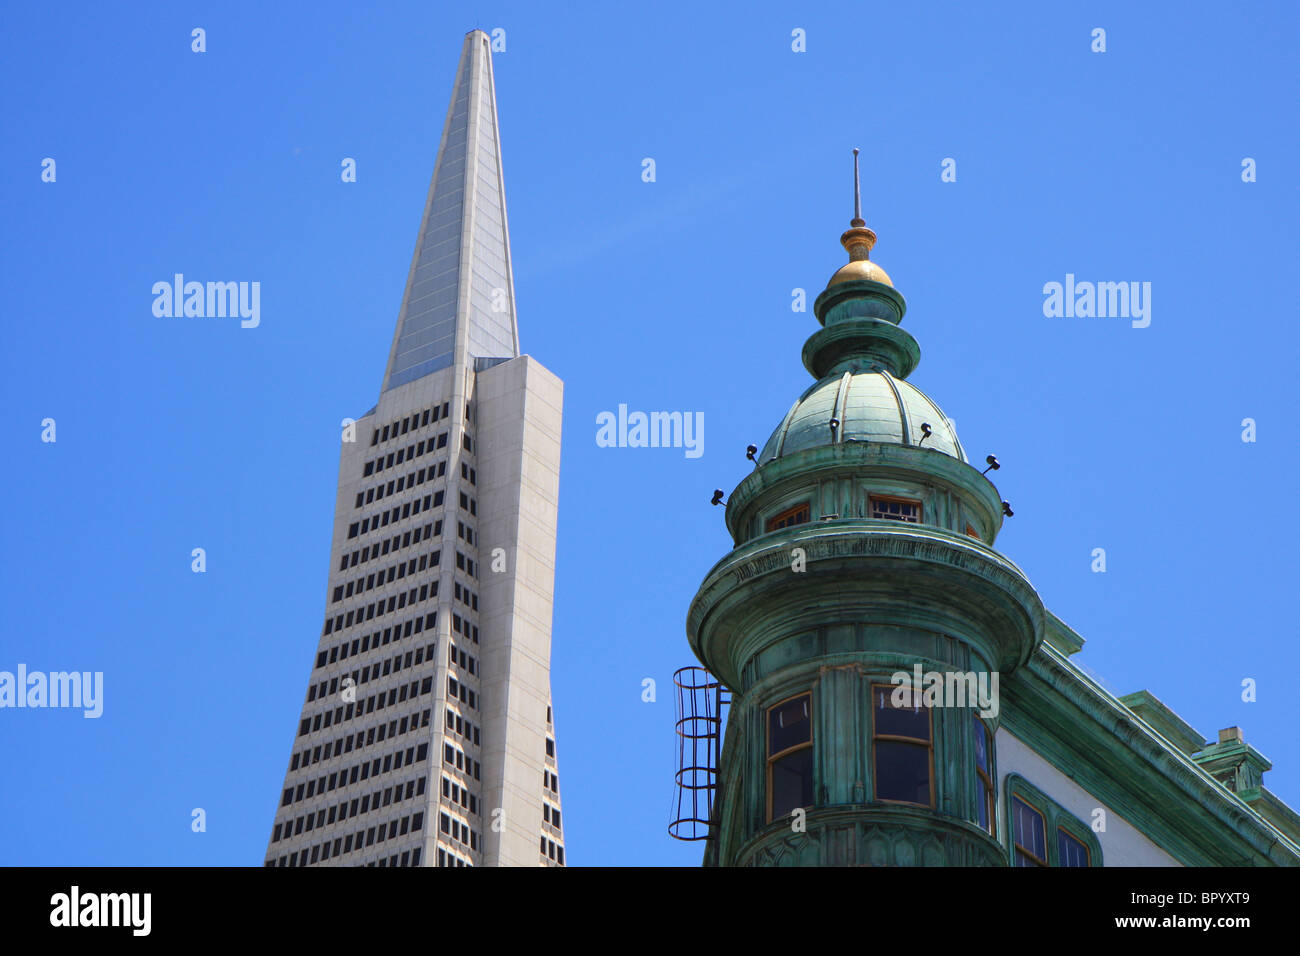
pixel 868 405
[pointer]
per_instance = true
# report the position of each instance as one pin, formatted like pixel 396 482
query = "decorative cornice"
pixel 873 834
pixel 1091 737
pixel 837 554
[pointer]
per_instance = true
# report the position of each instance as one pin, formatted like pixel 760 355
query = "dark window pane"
pixel 788 725
pixel 982 805
pixel 902 772
pixel 906 721
pixel 896 510
pixel 1069 850
pixel 1023 860
pixel 792 782
pixel 981 746
pixel 799 514
pixel 1028 828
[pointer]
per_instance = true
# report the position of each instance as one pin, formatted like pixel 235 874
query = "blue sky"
pixel 671 295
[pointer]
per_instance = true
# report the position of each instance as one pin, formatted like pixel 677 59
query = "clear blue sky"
pixel 672 295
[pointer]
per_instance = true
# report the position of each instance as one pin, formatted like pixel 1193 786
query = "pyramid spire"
pixel 459 303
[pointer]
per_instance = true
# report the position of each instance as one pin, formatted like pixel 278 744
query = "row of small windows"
pixel 550 781
pixel 360 614
pixel 375 702
pixel 468 473
pixel 396 543
pixel 462 727
pixel 468 504
pixel 459 795
pixel 465 596
pixel 409 453
pixel 550 815
pixel 458 831
pixel 393 515
pixel 552 851
pixel 372 671
pixel 363 839
pixel 447 858
pixel 408 858
pixel 886 507
pixel 467 442
pixel 456 690
pixel 453 756
pixel 418 420
pixel 463 627
pixel 465 531
pixel 466 564
pixel 457 656
pixel 310 756
pixel 359 806
pixel 879 506
pixel 395 572
pixel 358 772
pixel 550 748
pixel 361 645
pixel 400 484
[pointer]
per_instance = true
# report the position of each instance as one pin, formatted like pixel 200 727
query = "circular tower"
pixel 863 622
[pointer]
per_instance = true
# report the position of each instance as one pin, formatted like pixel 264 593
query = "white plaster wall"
pixel 1121 845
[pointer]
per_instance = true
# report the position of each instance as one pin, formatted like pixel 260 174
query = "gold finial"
pixel 858 240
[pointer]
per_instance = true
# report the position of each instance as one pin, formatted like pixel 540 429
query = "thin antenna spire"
pixel 857 194
pixel 858 240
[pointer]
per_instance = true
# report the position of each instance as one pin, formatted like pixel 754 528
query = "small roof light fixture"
pixel 993 465
pixel 835 424
pixel 717 496
pixel 750 452
pixel 1006 509
pixel 925 433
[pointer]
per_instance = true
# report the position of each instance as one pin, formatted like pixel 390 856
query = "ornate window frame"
pixel 1055 817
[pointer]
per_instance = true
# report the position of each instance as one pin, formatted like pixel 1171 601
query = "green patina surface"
pixel 840 603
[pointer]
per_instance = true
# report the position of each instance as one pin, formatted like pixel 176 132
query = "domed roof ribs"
pixel 785 426
pixel 902 406
pixel 840 409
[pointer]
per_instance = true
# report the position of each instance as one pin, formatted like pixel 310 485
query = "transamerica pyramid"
pixel 460 295
pixel 426 735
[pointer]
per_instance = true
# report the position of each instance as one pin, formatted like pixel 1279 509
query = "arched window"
pixel 1043 833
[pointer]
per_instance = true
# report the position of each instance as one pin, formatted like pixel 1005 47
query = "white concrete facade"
pixel 426 737
pixel 519 413
pixel 1122 844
